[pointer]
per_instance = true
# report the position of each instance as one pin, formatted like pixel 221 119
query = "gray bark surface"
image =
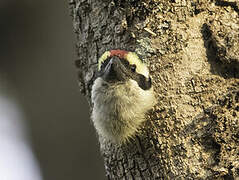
pixel 192 49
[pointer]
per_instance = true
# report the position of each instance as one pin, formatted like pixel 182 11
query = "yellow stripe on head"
pixel 103 58
pixel 141 67
pixel 131 57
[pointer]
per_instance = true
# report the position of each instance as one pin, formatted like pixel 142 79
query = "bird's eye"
pixel 133 67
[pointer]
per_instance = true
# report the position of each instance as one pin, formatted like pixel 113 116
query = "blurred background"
pixel 38 76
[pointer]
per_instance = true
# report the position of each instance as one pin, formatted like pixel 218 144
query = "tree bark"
pixel 192 49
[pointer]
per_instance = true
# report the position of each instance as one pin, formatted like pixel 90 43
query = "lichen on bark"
pixel 191 48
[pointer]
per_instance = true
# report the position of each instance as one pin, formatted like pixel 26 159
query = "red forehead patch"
pixel 119 53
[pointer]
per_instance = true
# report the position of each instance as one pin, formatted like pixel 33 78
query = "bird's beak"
pixel 114 71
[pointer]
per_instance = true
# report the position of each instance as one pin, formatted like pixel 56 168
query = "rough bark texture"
pixel 192 48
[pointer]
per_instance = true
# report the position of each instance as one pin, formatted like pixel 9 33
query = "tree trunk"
pixel 192 49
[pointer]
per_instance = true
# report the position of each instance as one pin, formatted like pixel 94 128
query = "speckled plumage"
pixel 119 110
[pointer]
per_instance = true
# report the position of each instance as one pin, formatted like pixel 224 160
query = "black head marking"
pixel 143 82
pixel 121 70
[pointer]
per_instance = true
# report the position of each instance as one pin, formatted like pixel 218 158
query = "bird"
pixel 122 94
